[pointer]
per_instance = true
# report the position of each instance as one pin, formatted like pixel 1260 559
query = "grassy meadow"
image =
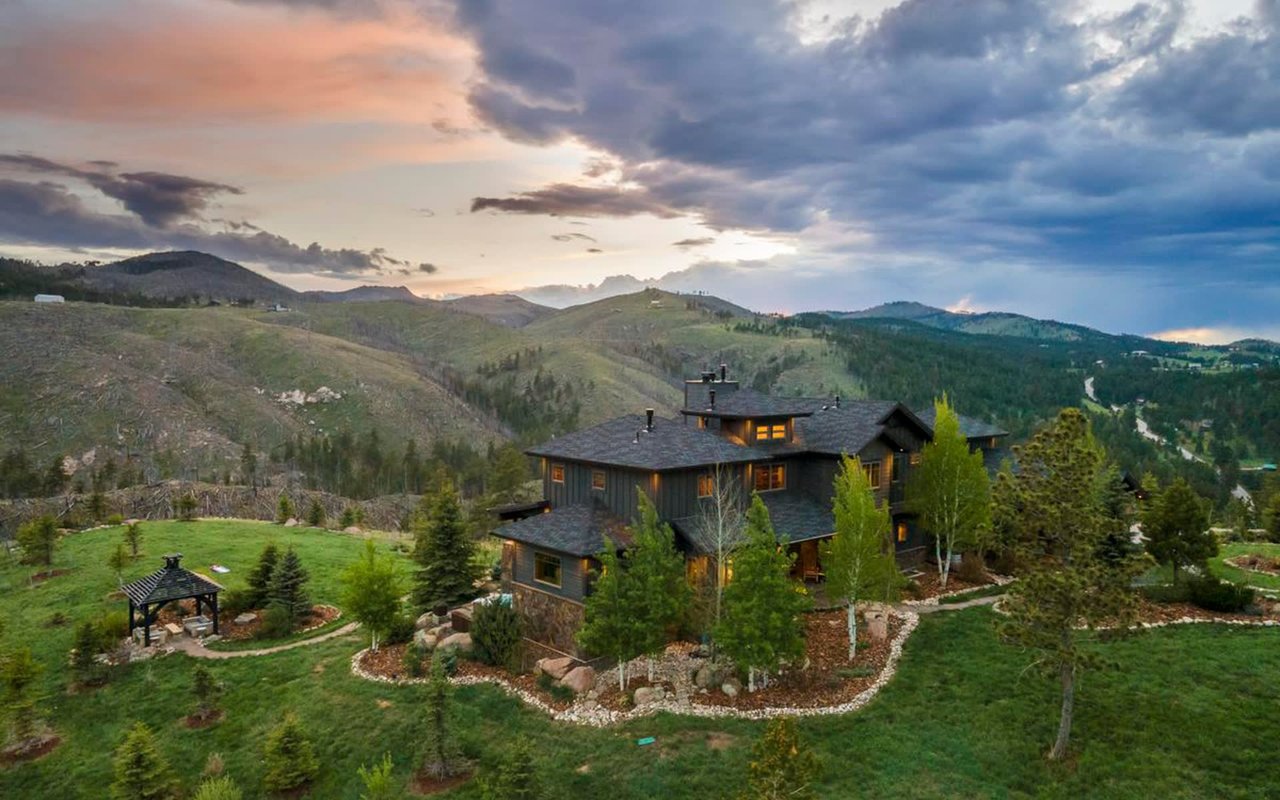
pixel 1187 712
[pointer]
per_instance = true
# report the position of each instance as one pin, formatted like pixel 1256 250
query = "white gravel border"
pixel 590 713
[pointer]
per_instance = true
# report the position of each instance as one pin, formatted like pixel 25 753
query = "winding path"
pixel 196 649
pixel 933 608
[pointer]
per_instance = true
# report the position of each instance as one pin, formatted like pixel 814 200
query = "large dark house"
pixel 728 440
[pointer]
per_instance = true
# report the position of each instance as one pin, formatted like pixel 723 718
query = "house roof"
pixel 578 530
pixel 971 428
pixel 795 516
pixel 846 428
pixel 750 403
pixel 625 442
pixel 172 582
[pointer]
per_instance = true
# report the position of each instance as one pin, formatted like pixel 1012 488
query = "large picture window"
pixel 546 569
pixel 770 477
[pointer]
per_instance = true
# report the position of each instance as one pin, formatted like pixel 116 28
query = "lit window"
pixel 706 485
pixel 702 422
pixel 770 477
pixel 872 471
pixel 597 480
pixel 765 433
pixel 557 473
pixel 546 569
pixel 915 459
pixel 902 531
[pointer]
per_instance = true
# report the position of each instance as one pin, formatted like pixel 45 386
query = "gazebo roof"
pixel 173 582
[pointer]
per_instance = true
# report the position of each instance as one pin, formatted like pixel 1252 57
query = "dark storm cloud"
pixel 48 213
pixel 159 198
pixel 569 200
pixel 430 269
pixel 952 131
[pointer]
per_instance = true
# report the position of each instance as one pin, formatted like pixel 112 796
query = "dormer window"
pixel 769 432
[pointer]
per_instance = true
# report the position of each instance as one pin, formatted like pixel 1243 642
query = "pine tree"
pixel 371 591
pixel 140 771
pixel 348 518
pixel 1177 528
pixel 55 478
pixel 84 664
pixel 207 690
pixel 289 588
pixel 761 625
pixel 378 781
pixel 260 578
pixel 315 514
pixel 782 767
pixel 610 626
pixel 858 560
pixel 38 540
pixel 1055 520
pixel 440 752
pixel 509 474
pixel 495 634
pixel 248 465
pixel 950 490
pixel 97 505
pixel 117 561
pixel 514 776
pixel 19 672
pixel 1271 517
pixel 219 788
pixel 290 758
pixel 284 509
pixel 443 551
pixel 185 507
pixel 657 570
pixel 133 538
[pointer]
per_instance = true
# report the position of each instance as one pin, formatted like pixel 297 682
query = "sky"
pixel 1105 162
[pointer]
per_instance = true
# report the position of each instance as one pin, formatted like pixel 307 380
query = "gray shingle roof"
pixel 670 445
pixel 846 429
pixel 795 515
pixel 971 428
pixel 578 530
pixel 171 582
pixel 750 403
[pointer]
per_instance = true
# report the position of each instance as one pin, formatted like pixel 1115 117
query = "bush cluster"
pixel 1213 594
pixel 495 633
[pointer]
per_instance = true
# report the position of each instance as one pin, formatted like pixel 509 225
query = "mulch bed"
pixel 39 747
pixel 231 632
pixel 424 784
pixel 931 586
pixel 41 577
pixel 525 681
pixel 1151 612
pixel 1256 562
pixel 196 721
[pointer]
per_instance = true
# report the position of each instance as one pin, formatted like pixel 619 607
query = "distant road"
pixel 1145 430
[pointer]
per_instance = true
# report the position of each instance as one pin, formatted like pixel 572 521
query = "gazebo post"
pixel 198 609
pixel 146 626
pixel 213 601
pixel 131 623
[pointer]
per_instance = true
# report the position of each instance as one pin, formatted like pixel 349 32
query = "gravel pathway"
pixel 196 649
pixel 930 609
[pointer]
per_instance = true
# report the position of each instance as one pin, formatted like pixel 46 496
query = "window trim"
pixel 557 468
pixel 598 473
pixel 878 468
pixel 538 558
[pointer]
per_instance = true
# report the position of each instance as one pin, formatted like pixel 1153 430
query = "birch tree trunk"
pixel 751 679
pixel 851 619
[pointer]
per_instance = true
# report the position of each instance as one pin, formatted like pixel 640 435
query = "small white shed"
pixel 50 298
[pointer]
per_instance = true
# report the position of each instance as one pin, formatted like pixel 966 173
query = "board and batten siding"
pixel 618 495
pixel 573 572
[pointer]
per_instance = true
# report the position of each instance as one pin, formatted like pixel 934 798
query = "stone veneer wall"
pixel 549 620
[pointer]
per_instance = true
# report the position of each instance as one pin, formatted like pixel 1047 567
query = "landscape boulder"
pixel 458 641
pixel 424 640
pixel 424 622
pixel 580 679
pixel 732 687
pixel 877 625
pixel 557 668
pixel 245 618
pixel 649 694
pixel 351 529
pixel 708 675
pixel 441 631
pixel 291 523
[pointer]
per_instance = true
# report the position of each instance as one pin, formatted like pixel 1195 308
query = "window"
pixel 770 477
pixel 557 473
pixel 706 485
pixel 902 531
pixel 546 569
pixel 597 480
pixel 872 471
pixel 702 422
pixel 915 458
pixel 766 432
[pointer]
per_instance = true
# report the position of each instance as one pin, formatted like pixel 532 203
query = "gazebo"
pixel 174 582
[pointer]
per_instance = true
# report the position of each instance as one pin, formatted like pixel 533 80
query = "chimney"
pixel 171 561
pixel 724 372
pixel 837 401
pixel 711 395
pixel 648 421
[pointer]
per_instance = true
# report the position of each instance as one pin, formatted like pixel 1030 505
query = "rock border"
pixel 1230 562
pixel 1242 623
pixel 996 580
pixel 590 713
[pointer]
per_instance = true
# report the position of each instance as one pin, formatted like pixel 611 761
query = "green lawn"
pixel 1189 713
pixel 1268 582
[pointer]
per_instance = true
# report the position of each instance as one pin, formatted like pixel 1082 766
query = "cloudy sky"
pixel 1099 161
